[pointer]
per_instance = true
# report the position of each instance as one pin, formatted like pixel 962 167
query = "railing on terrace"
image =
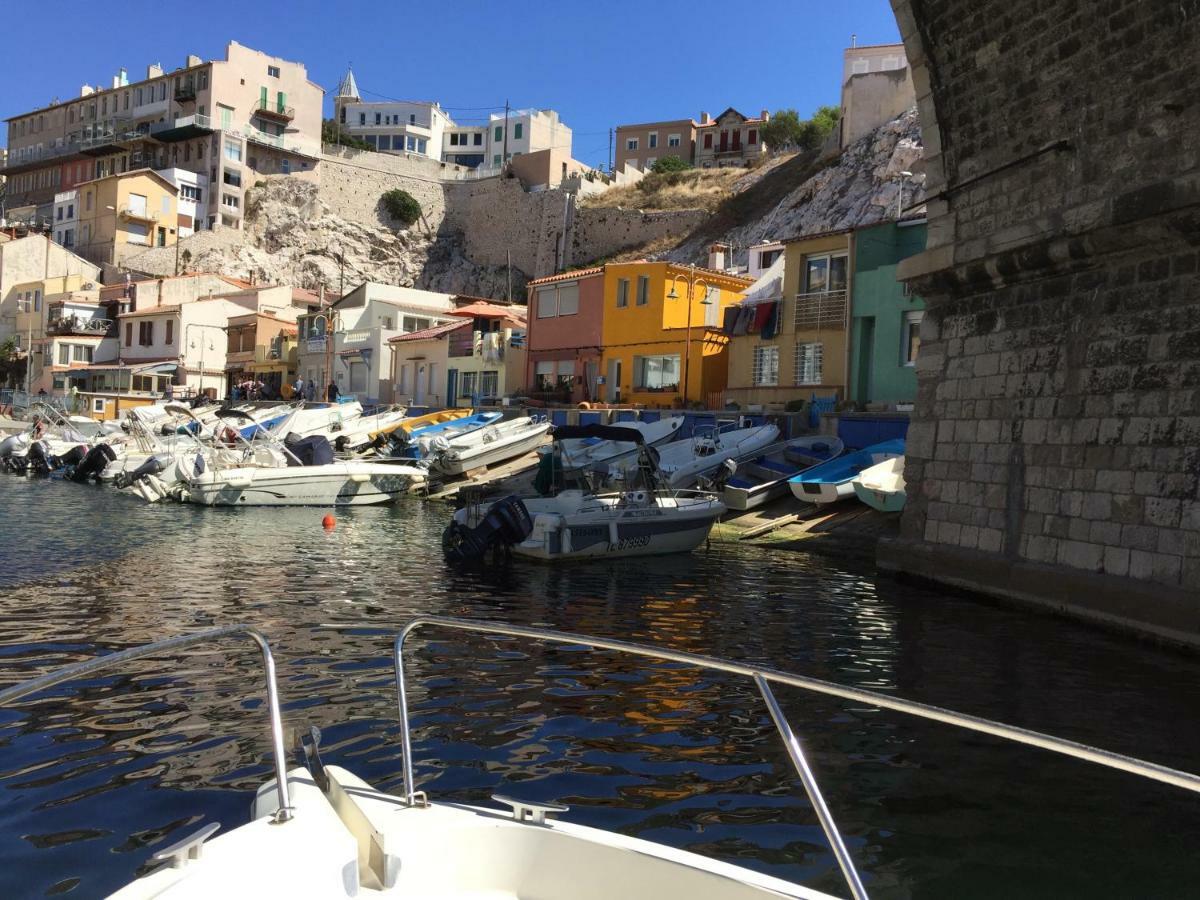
pixel 78 325
pixel 357 336
pixel 267 108
pixel 195 120
pixel 821 310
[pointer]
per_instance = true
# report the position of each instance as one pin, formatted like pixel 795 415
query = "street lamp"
pixel 191 344
pixel 691 279
pixel 333 320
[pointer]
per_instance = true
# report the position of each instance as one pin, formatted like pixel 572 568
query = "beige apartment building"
pixel 877 86
pixel 640 146
pixel 231 119
pixel 731 139
pixel 121 215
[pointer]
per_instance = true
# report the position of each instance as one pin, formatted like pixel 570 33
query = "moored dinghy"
pixel 763 478
pixel 882 487
pixel 831 481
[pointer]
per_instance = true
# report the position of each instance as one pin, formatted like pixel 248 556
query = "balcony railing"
pixel 77 325
pixel 821 310
pixel 137 214
pixel 185 93
pixel 358 336
pixel 274 111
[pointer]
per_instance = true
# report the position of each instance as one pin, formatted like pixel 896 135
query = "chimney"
pixel 193 60
pixel 154 70
pixel 703 118
pixel 765 115
pixel 717 257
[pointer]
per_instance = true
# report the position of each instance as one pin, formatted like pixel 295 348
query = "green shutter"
pixel 262 98
pixel 281 97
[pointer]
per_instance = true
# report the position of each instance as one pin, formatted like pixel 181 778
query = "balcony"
pixel 315 344
pixel 31 158
pixel 274 111
pixel 821 311
pixel 186 92
pixel 182 129
pixel 136 214
pixel 77 325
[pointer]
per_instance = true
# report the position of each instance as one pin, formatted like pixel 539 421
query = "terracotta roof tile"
pixel 427 333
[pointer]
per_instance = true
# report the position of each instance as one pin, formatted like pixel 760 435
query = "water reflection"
pixel 97 775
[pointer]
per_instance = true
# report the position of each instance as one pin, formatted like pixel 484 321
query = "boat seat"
pixel 774 466
pixel 739 483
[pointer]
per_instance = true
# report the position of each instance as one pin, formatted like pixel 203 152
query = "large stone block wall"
pixel 352 185
pixel 1057 428
pixel 602 231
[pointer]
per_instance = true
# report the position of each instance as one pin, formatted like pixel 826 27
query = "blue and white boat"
pixel 764 478
pixel 833 480
pixel 421 440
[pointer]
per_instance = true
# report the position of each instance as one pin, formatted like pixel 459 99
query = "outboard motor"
pixel 507 522
pixel 10 445
pixel 41 460
pixel 152 466
pixel 93 463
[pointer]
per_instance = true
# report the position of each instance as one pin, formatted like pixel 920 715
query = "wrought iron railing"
pixel 821 310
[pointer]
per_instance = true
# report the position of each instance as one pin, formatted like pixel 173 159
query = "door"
pixel 419 384
pixel 614 381
pixel 737 139
pixel 452 387
pixel 591 369
pixel 866 356
pixel 724 141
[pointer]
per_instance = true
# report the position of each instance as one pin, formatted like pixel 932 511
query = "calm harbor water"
pixel 97 775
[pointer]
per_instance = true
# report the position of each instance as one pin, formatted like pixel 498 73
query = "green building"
pixel 885 334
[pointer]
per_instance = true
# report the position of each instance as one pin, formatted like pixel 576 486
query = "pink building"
pixel 565 333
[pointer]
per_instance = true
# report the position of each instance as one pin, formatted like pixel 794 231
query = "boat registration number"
pixel 628 543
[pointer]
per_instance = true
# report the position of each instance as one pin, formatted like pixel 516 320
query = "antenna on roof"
pixel 853 41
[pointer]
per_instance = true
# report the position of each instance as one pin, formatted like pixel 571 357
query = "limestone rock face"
pixel 860 187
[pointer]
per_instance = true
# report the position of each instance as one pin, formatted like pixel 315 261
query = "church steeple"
pixel 347 92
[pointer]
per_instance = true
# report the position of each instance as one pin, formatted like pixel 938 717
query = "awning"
pixel 157 369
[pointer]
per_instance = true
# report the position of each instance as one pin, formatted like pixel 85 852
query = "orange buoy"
pixel 329 522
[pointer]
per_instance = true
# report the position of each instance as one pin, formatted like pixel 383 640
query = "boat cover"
pixel 314 450
pixel 600 432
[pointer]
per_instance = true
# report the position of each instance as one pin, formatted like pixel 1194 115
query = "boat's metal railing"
pixel 763 677
pixel 159 648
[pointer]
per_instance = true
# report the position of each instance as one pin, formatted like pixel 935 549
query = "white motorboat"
pixel 339 483
pixel 882 486
pixel 357 434
pixel 330 420
pixel 486 446
pixel 764 476
pixel 683 462
pixel 646 518
pixel 319 831
pixel 585 453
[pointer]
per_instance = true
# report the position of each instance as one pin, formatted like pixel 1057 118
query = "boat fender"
pixel 360 477
pixel 613 532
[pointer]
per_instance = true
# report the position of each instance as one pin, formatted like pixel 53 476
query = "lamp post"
pixel 691 279
pixel 333 320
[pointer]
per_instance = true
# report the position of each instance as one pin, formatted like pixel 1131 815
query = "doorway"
pixel 866 357
pixel 452 387
pixel 614 381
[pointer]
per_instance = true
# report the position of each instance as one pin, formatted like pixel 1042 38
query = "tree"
pixel 333 133
pixel 669 164
pixel 12 363
pixel 786 129
pixel 402 206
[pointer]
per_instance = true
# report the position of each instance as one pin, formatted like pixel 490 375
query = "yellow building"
pixel 124 214
pixel 807 351
pixel 646 353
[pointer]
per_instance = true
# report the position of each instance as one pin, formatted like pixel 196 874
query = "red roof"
pixel 484 310
pixel 427 333
pixel 567 276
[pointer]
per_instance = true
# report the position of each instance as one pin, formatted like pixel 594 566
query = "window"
pixel 478 139
pixel 170 338
pixel 358 378
pixel 378 119
pixel 362 118
pixel 558 300
pixel 412 143
pixel 166 205
pixel 498 135
pixel 226 116
pixel 37 300
pixel 64 354
pixel 673 140
pixel 98 405
pixel 88 200
pixel 496 159
pixel 230 200
pixel 547 302
pixel 544 374
pixel 650 161
pixel 631 144
pixel 752 137
pixel 272 71
pixel 59 213
pixel 766 366
pixel 768 257
pixel 622 292
pixel 162 90
pixel 232 177
pixel 518 130
pixel 656 373
pixel 412 118
pixel 825 273
pixel 145 334
pixel 808 363
pixel 466 384
pixel 653 140
pixel 81 353
pixel 910 337
pixel 233 151
pixel 415 323
pixel 633 161
pixel 643 290
pixel 489 383
pixel 128 334
pixel 454 140
pixel 188 192
pixel 421 145
pixel 708 141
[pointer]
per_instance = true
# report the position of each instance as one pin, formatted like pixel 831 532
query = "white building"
pixel 525 131
pixel 394 126
pixel 192 188
pixel 66 217
pixel 365 319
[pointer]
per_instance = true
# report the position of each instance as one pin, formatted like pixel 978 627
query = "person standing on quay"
pixel 331 395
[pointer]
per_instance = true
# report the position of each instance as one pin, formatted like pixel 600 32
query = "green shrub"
pixel 669 164
pixel 402 206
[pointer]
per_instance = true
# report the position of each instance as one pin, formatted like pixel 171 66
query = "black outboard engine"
pixel 41 460
pixel 152 466
pixel 507 522
pixel 92 464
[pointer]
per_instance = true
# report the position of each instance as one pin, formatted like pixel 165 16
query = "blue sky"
pixel 598 64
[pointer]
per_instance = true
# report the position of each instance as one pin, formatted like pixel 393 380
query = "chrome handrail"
pixel 762 676
pixel 108 661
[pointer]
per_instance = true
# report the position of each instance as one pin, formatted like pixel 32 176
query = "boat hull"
pixel 884 501
pixel 475 457
pixel 278 487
